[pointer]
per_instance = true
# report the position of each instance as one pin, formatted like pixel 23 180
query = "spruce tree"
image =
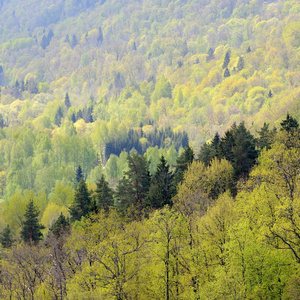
pixel 100 36
pixel 289 124
pixel 103 194
pixel 134 187
pixel 44 42
pixel 67 101
pixel 182 163
pixel 60 226
pixel 79 174
pixel 81 205
pixel 59 114
pixel 226 59
pixel 226 73
pixel 162 187
pixel 6 237
pixel 31 230
pixel 241 64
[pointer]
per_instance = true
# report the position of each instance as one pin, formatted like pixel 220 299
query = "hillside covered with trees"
pixel 149 149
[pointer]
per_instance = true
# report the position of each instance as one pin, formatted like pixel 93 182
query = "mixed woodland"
pixel 149 149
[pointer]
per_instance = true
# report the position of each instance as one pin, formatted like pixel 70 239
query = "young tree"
pixel 31 230
pixel 162 187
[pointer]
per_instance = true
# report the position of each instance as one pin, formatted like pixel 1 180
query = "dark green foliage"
pixel 6 237
pixel 134 187
pixel 226 60
pixel 182 163
pixel 241 63
pixel 60 226
pixel 226 73
pixel 163 138
pixel 73 118
pixel 289 124
pixel 209 151
pixel 103 194
pixel 50 35
pixel 59 114
pixel 44 42
pixel 265 137
pixel 100 36
pixel 67 101
pixel 119 80
pixel 79 174
pixel 270 94
pixel 31 230
pixel 74 41
pixel 239 147
pixel 81 206
pixel 79 115
pixel 162 187
pixel 210 54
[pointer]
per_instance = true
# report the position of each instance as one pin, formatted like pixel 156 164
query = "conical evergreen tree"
pixel 182 163
pixel 6 237
pixel 103 194
pixel 67 101
pixel 61 226
pixel 134 187
pixel 79 174
pixel 289 124
pixel 31 230
pixel 82 202
pixel 241 64
pixel 162 187
pixel 226 59
pixel 226 73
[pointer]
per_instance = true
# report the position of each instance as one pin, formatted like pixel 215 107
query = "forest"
pixel 149 149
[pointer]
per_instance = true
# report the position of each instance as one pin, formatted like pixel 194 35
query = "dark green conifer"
pixel 103 194
pixel 226 59
pixel 79 174
pixel 133 188
pixel 241 64
pixel 6 237
pixel 162 187
pixel 67 101
pixel 81 205
pixel 289 124
pixel 226 73
pixel 31 230
pixel 60 226
pixel 44 42
pixel 182 163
